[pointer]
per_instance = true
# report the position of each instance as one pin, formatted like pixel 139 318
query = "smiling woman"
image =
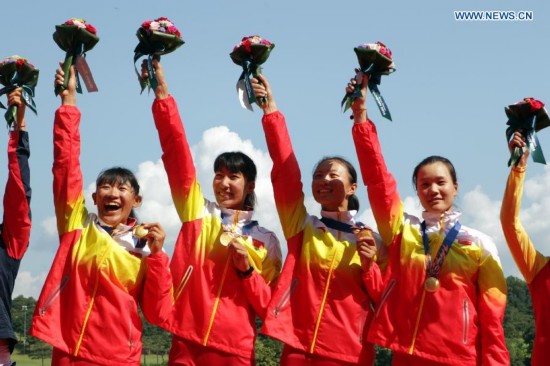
pixel 221 252
pixel 321 306
pixel 88 308
pixel 444 289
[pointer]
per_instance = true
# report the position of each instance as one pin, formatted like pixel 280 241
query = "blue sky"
pixel 447 97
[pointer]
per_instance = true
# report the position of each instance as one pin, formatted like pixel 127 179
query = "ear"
pixel 250 186
pixel 94 197
pixel 137 201
pixel 456 189
pixel 352 189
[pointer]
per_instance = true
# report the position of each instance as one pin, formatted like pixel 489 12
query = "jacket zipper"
pixel 385 295
pixel 183 282
pixel 53 295
pixel 323 302
pixel 216 302
pixel 92 301
pixel 283 301
pixel 466 321
pixel 417 324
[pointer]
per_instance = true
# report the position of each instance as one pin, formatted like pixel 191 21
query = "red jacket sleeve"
pixel 373 282
pixel 17 215
pixel 382 188
pixel 285 175
pixel 67 174
pixel 176 155
pixel 157 297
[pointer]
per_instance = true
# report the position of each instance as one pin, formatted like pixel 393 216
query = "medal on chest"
pixel 433 265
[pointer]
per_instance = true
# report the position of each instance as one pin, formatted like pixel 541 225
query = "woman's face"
pixel 331 185
pixel 115 202
pixel 435 187
pixel 231 188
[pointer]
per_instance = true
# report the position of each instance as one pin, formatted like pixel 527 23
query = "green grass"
pixel 24 360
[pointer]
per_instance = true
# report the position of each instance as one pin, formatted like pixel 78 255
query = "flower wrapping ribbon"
pixel 250 53
pixel 528 117
pixel 375 60
pixel 157 37
pixel 76 37
pixel 17 72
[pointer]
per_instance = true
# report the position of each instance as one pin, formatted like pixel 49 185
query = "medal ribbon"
pixel 341 226
pixel 433 266
pixel 246 229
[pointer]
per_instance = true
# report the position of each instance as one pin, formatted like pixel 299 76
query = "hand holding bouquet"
pixel 250 54
pixel 76 37
pixel 528 116
pixel 375 60
pixel 157 37
pixel 17 72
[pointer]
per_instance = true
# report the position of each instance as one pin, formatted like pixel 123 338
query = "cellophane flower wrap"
pixel 76 37
pixel 156 37
pixel 250 53
pixel 18 72
pixel 375 60
pixel 528 117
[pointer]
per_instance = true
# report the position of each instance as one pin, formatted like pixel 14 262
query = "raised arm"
pixel 177 158
pixel 67 175
pixel 527 258
pixel 285 174
pixel 381 186
pixel 16 226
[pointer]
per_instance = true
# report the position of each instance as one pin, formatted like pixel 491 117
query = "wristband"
pixel 246 273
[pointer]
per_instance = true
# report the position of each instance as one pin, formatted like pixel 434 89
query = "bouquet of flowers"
pixel 250 54
pixel 157 37
pixel 528 116
pixel 375 60
pixel 76 37
pixel 17 72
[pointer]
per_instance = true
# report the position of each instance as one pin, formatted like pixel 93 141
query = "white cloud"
pixel 50 226
pixel 29 284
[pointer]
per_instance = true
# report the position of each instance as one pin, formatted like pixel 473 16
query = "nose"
pixel 225 181
pixel 432 189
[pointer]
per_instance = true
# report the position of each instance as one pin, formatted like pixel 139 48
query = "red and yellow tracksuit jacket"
pixel 460 324
pixel 213 305
pixel 16 227
pixel 320 304
pixel 88 305
pixel 532 264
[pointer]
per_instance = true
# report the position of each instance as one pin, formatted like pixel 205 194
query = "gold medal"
pixel 431 284
pixel 364 233
pixel 139 231
pixel 225 238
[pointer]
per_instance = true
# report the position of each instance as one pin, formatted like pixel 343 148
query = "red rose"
pixel 536 105
pixel 146 24
pixel 90 28
pixel 162 18
pixel 247 44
